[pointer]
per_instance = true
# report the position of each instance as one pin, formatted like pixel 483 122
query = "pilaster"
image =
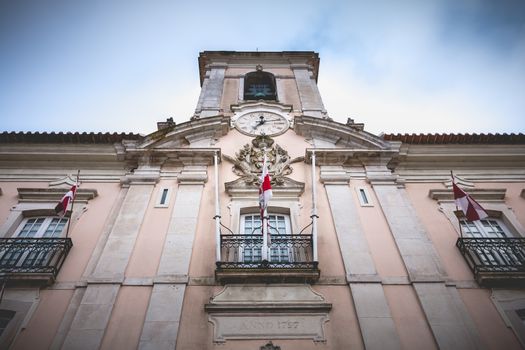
pixel 309 95
pixel 375 320
pixel 93 314
pixel 163 315
pixel 452 328
pixel 211 93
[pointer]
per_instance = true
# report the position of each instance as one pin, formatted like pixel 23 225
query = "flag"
pixel 61 207
pixel 472 210
pixel 265 189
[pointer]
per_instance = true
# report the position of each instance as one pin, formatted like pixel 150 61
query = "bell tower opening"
pixel 259 85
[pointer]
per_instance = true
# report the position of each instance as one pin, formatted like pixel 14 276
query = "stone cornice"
pixel 493 194
pixel 350 156
pixel 283 58
pixel 176 156
pixel 468 157
pixel 261 105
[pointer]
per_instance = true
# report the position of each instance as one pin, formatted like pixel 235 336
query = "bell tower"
pixel 230 79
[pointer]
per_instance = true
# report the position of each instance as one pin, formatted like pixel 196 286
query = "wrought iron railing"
pixel 33 255
pixel 494 255
pixel 285 252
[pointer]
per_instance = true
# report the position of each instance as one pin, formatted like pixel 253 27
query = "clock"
pixel 262 123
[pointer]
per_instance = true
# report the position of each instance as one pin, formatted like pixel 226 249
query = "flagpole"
pixel 217 210
pixel 264 251
pixel 457 209
pixel 72 203
pixel 314 209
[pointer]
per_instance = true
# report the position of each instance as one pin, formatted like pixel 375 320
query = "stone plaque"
pixel 300 326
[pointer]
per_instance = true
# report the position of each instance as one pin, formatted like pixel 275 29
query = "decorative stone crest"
pixel 249 160
pixel 270 346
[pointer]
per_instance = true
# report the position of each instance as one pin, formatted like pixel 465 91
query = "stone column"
pixel 376 323
pixel 163 316
pixel 209 103
pixel 309 95
pixel 93 314
pixel 447 316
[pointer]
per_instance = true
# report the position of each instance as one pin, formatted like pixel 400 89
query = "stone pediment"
pixel 194 133
pixel 326 133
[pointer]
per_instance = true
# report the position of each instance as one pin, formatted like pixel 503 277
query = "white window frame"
pixel 282 254
pixel 36 258
pixel 364 197
pixel 158 203
pixel 490 227
pixel 41 231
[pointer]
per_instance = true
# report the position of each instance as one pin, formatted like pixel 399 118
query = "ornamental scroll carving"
pixel 248 162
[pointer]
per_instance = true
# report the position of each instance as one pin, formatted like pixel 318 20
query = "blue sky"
pixel 397 66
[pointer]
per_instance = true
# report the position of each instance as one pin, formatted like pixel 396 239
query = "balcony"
pixel 495 262
pixel 291 260
pixel 33 260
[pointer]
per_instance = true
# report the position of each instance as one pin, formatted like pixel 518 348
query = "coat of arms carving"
pixel 247 163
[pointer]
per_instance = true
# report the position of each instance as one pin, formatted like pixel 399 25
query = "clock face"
pixel 259 123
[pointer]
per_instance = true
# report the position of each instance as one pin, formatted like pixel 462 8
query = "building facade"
pixel 164 248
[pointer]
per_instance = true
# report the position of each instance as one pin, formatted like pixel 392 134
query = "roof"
pixel 69 137
pixel 470 139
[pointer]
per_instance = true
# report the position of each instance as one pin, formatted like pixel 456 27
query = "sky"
pixel 396 66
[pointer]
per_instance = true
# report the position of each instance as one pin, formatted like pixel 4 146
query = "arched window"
pixel 259 85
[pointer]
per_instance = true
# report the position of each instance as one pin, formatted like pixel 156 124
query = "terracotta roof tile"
pixel 69 137
pixel 440 139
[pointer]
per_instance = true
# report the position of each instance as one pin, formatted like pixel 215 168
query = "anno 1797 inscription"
pixel 275 326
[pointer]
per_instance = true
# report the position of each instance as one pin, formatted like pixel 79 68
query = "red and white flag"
pixel 265 189
pixel 61 207
pixel 472 210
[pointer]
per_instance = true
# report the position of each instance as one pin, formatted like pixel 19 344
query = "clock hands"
pixel 260 122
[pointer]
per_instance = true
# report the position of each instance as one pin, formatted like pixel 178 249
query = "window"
pixel 278 225
pixel 37 227
pixel 487 228
pixel 46 227
pixel 364 197
pixel 491 254
pixel 5 317
pixel 259 85
pixel 163 198
pixel 521 315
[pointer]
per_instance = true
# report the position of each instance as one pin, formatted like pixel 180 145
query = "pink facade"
pixel 370 260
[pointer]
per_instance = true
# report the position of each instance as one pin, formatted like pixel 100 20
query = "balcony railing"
pixel 495 261
pixel 290 259
pixel 35 259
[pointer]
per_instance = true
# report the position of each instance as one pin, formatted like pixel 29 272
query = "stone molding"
pixel 343 135
pixel 505 158
pixel 172 156
pixel 350 156
pixel 185 134
pixel 288 189
pixel 334 175
pixel 53 194
pixel 193 175
pixel 493 194
pixel 268 311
